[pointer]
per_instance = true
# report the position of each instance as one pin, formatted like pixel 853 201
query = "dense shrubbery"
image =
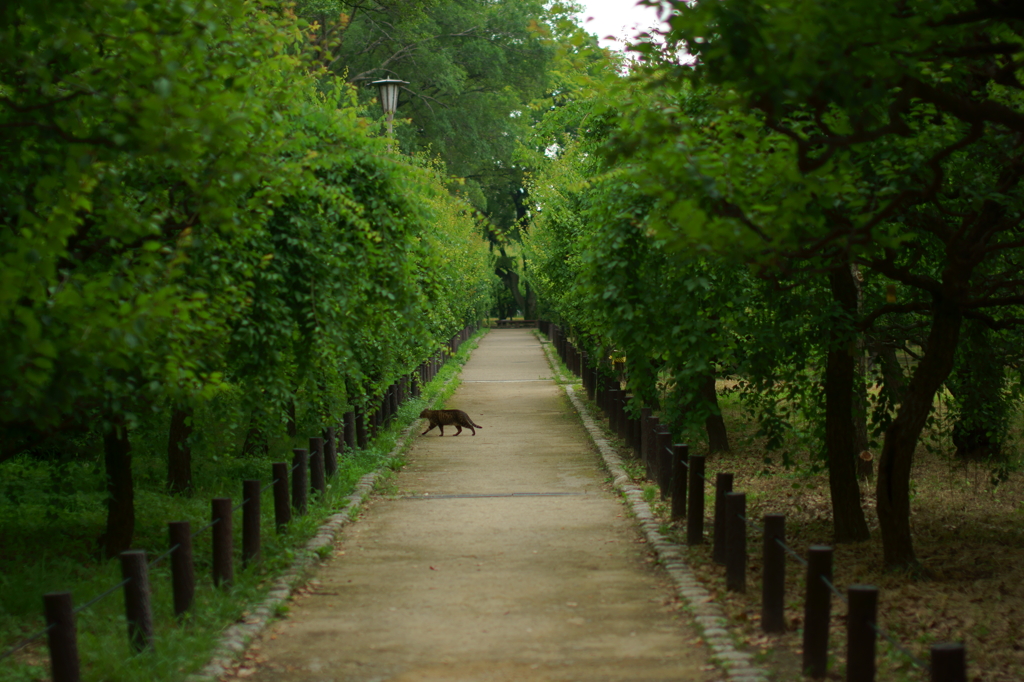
pixel 195 215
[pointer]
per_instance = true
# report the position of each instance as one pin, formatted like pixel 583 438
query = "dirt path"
pixel 499 557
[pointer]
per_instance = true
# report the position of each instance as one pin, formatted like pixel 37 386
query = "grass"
pixel 52 512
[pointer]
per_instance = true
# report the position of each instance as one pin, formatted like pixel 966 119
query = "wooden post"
pixel 773 583
pixel 223 543
pixel 62 638
pixel 250 522
pixel 860 633
pixel 650 428
pixel 735 542
pixel 663 462
pixel 138 608
pixel 626 422
pixel 300 480
pixel 330 453
pixel 183 572
pixel 317 474
pixel 695 512
pixel 723 486
pixel 613 411
pixel 361 438
pixel 680 460
pixel 817 610
pixel 948 662
pixel 621 425
pixel 282 505
pixel 634 424
pixel 350 431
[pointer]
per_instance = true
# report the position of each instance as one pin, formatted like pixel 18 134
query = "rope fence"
pixel 309 472
pixel 678 475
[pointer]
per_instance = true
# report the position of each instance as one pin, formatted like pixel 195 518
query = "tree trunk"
pixel 977 385
pixel 893 486
pixel 892 373
pixel 718 437
pixel 179 452
pixel 840 433
pixel 511 280
pixel 117 459
pixel 861 443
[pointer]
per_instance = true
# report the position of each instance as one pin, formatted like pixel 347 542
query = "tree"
pixel 474 70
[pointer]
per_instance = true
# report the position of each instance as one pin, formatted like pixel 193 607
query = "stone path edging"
pixel 237 637
pixel 738 665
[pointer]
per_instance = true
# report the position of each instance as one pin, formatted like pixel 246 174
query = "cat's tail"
pixel 474 424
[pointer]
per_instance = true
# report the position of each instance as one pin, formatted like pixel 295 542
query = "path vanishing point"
pixel 497 557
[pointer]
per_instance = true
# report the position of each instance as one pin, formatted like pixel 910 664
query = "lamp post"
pixel 388 89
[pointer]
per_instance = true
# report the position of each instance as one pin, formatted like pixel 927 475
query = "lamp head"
pixel 388 89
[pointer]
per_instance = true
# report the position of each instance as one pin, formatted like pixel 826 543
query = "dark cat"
pixel 443 418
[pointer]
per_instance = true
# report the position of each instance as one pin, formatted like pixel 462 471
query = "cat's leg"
pixel 432 425
pixel 459 429
pixel 471 429
pixel 440 427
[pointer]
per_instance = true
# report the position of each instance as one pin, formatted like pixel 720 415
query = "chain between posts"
pixel 25 642
pixel 687 465
pixel 33 637
pixel 899 647
pixel 803 562
pixel 100 596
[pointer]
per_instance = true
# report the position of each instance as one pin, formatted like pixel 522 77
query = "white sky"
pixel 620 18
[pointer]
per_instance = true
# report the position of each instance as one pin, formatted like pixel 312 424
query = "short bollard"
pixel 736 542
pixel 646 413
pixel 250 522
pixel 650 428
pixel 613 410
pixel 300 480
pixel 223 543
pixel 282 503
pixel 860 633
pixel 330 453
pixel 183 572
pixel 317 474
pixel 723 486
pixel 663 461
pixel 350 431
pixel 773 581
pixel 621 419
pixel 948 662
pixel 634 425
pixel 695 511
pixel 361 438
pixel 62 637
pixel 680 460
pixel 138 609
pixel 817 610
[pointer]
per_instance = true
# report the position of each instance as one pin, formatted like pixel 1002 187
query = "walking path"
pixel 502 556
